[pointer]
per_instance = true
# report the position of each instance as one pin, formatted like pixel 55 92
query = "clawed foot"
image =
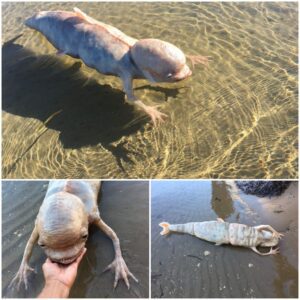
pixel 273 251
pixel 21 276
pixel 278 235
pixel 156 116
pixel 199 59
pixel 121 271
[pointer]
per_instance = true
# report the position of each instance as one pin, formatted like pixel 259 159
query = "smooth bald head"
pixel 268 239
pixel 62 223
pixel 160 61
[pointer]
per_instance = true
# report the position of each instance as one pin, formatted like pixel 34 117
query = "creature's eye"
pixel 85 236
pixel 42 245
pixel 169 75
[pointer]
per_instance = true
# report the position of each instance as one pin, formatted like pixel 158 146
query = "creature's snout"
pixel 65 258
pixel 184 73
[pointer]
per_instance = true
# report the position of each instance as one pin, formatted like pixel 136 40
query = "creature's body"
pixel 61 227
pixel 221 232
pixel 111 52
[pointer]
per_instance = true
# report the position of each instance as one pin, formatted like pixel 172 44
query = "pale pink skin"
pixel 112 52
pixel 61 228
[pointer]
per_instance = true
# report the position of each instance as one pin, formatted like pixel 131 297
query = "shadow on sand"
pixel 38 86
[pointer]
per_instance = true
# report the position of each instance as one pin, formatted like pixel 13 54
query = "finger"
pixel 154 121
pixel 126 281
pixel 107 268
pixel 25 283
pixel 31 269
pixel 133 277
pixel 116 280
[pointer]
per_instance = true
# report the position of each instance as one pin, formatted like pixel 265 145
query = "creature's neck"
pixel 137 72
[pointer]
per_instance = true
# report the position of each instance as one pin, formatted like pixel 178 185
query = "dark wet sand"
pixel 123 205
pixel 179 266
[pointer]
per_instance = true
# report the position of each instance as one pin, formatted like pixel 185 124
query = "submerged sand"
pixel 238 118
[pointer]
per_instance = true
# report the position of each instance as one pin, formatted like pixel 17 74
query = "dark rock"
pixel 263 188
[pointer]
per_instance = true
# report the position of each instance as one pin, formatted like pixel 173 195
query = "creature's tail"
pixel 165 227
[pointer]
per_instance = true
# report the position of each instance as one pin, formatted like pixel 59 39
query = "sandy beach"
pixel 185 266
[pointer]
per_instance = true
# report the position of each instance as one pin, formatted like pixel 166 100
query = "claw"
pixel 132 276
pixel 274 251
pixel 21 277
pixel 121 271
pixel 107 268
pixel 199 59
pixel 155 115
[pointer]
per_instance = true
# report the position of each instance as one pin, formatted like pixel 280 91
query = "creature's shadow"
pixel 37 86
pixel 168 92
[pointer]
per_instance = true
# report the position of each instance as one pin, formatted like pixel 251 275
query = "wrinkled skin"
pixel 111 52
pixel 61 228
pixel 221 232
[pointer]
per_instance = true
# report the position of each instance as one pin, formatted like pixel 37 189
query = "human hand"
pixel 64 274
pixel 59 278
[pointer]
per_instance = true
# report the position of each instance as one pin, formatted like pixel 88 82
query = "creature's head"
pixel 269 239
pixel 63 227
pixel 160 61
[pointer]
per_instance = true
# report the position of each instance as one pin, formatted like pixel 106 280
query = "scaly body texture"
pixel 61 227
pixel 221 232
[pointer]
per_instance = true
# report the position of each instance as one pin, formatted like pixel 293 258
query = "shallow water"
pixel 235 119
pixel 21 202
pixel 181 269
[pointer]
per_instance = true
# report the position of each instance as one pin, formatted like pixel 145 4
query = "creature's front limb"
pixel 22 274
pixel 154 114
pixel 271 229
pixel 118 265
pixel 272 251
pixel 199 59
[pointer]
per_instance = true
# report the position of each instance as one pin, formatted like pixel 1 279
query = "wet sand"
pixel 123 206
pixel 179 266
pixel 238 118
